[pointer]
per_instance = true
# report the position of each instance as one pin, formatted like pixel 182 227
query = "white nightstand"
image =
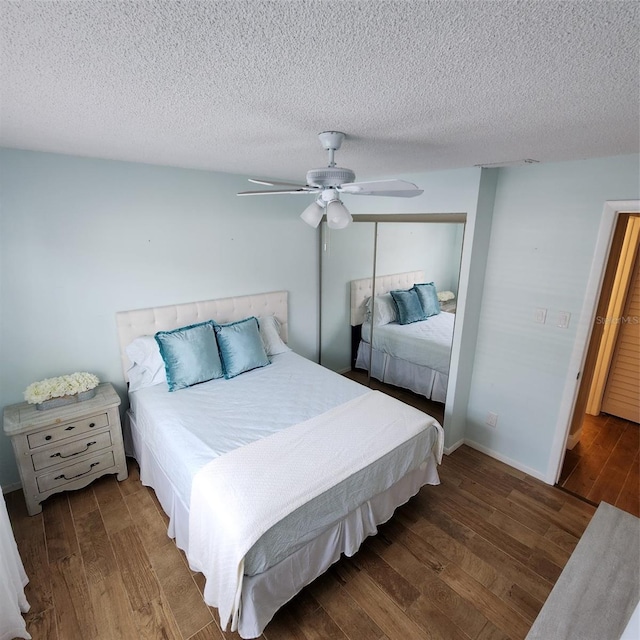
pixel 68 447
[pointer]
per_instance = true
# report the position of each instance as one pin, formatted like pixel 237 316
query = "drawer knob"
pixel 77 453
pixel 91 425
pixel 47 437
pixel 84 473
pixel 69 428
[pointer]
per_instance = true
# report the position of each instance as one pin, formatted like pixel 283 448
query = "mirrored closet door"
pixel 361 334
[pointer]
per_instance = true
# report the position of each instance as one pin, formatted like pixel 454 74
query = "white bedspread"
pixel 427 343
pixel 237 497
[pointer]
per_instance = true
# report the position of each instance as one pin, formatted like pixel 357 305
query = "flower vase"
pixel 54 403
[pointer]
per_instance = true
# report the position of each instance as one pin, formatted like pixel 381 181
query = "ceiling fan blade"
pixel 397 188
pixel 273 183
pixel 276 192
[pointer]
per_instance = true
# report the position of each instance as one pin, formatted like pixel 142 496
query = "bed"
pixel 414 356
pixel 258 473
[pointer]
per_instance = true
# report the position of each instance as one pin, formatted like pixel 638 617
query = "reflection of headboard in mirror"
pixel 361 291
pixel 140 322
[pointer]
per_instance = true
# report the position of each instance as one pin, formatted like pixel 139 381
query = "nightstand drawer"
pixel 67 430
pixel 87 468
pixel 56 455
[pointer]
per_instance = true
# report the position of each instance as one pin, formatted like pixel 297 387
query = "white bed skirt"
pixel 264 593
pixel 402 373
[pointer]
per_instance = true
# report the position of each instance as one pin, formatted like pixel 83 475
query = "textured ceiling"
pixel 245 86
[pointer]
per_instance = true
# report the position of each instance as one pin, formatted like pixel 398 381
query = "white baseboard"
pixel 8 488
pixel 449 450
pixel 512 463
pixel 574 438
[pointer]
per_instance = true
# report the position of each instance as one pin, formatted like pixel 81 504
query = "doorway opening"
pixel 602 459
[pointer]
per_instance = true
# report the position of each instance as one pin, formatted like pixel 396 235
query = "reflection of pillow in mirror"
pixel 384 310
pixel 428 297
pixel 409 307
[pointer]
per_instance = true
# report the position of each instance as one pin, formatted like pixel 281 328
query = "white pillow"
pixel 270 334
pixel 147 365
pixel 384 311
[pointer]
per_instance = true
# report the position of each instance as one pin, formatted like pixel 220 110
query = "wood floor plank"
pixel 462 613
pixel 434 622
pixel 97 553
pixel 609 483
pixel 502 564
pixel 59 528
pixel 42 624
pixel 139 580
pixel 111 610
pixel 504 505
pixel 107 491
pixel 378 605
pixel 586 473
pixel 74 614
pixel 210 632
pixel 495 609
pixel 152 528
pixel 33 551
pixel 564 519
pixel 82 502
pixel 116 517
pixel 184 598
pixel 350 617
pixel 629 498
pixel 155 620
pixel 386 577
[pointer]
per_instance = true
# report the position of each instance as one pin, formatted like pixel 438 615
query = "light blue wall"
pixel 545 225
pixel 81 239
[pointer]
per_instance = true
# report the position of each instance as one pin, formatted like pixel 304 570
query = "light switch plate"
pixel 563 319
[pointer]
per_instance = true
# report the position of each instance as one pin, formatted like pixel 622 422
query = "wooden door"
pixel 622 391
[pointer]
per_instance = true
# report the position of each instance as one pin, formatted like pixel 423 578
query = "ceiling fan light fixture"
pixel 312 215
pixel 338 216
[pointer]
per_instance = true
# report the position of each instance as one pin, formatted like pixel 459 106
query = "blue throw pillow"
pixel 190 355
pixel 409 307
pixel 241 347
pixel 428 297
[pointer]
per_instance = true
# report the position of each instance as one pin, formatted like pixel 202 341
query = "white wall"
pixel 81 239
pixel 545 225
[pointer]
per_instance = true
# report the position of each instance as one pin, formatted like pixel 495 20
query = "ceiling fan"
pixel 327 183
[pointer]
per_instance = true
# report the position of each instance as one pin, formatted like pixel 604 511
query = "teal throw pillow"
pixel 241 347
pixel 190 355
pixel 428 297
pixel 409 307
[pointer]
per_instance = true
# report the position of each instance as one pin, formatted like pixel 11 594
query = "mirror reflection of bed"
pixel 359 338
pixel 404 353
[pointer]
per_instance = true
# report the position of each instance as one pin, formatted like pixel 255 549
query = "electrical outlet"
pixel 563 319
pixel 492 419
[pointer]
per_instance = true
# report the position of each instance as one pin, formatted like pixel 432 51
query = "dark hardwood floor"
pixel 474 557
pixel 605 464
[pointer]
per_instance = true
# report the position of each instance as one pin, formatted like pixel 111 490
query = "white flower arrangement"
pixel 444 296
pixel 69 385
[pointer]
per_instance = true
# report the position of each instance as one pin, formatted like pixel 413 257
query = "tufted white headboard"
pixel 362 289
pixel 146 322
